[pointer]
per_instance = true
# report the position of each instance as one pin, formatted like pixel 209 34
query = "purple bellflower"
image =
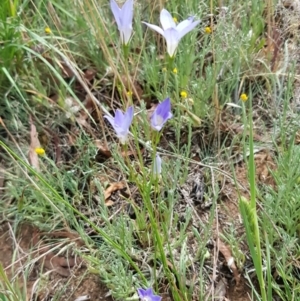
pixel 171 32
pixel 123 17
pixel 147 295
pixel 161 114
pixel 157 165
pixel 121 123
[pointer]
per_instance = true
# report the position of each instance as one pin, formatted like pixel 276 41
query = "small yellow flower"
pixel 183 94
pixel 129 93
pixel 207 30
pixel 175 71
pixel 48 30
pixel 175 19
pixel 164 69
pixel 40 151
pixel 244 97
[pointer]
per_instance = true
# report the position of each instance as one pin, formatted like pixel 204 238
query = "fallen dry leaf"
pixel 226 252
pixel 82 121
pixel 34 143
pixel 112 188
pixel 109 203
pixel 102 150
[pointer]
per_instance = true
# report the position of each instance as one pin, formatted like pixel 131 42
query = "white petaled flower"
pixel 172 32
pixel 123 17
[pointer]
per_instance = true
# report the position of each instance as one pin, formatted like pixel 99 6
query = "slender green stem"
pixel 248 210
pixel 170 61
pixel 251 159
pixel 127 74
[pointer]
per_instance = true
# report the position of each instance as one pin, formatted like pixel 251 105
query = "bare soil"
pixel 47 273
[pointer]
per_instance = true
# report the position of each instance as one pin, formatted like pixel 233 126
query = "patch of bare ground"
pixel 25 255
pixel 240 292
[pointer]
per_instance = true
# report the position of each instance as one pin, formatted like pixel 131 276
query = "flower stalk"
pixel 248 209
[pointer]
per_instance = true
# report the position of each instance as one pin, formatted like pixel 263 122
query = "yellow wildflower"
pixel 129 93
pixel 175 71
pixel 244 97
pixel 175 19
pixel 183 94
pixel 48 30
pixel 40 151
pixel 207 30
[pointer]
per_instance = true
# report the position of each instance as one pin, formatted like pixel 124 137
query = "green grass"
pixel 152 236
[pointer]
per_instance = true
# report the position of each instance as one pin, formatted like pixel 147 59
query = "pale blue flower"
pixel 148 295
pixel 172 32
pixel 161 114
pixel 121 123
pixel 123 17
pixel 157 165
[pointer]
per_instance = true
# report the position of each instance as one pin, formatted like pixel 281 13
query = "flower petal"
pixel 126 20
pixel 144 293
pixel 161 114
pixel 128 116
pixel 148 295
pixel 116 12
pixel 121 123
pixel 187 29
pixel 125 33
pixel 156 298
pixel 184 23
pixel 164 109
pixel 110 119
pixel 156 122
pixel 119 118
pixel 127 12
pixel 172 38
pixel 120 131
pixel 166 20
pixel 155 27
